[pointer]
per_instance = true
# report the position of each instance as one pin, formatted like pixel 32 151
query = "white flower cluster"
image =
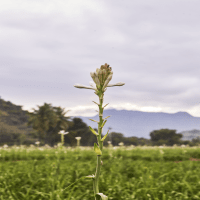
pixel 101 79
pixel 102 76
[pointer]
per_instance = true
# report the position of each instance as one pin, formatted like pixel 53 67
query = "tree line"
pixel 48 121
pixel 45 122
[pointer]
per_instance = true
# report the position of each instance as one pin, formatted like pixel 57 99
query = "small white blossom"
pixel 121 144
pixel 78 141
pixel 47 146
pixel 37 142
pixel 78 138
pixel 63 132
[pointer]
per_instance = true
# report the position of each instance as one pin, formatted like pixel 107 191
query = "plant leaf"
pixel 105 136
pixel 101 196
pixel 106 118
pixel 95 102
pixel 97 150
pixel 103 123
pixel 116 84
pixel 94 120
pixel 84 87
pixel 90 176
pixel 105 105
pixel 93 131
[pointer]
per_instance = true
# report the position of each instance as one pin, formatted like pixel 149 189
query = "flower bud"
pixel 107 81
pixel 106 65
pixel 104 72
pixel 95 78
pixel 97 81
pixel 100 78
pixel 102 67
pixel 97 71
pixel 92 75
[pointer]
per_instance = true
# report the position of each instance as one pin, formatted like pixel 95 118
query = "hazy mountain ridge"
pixel 189 135
pixel 140 124
pixel 129 123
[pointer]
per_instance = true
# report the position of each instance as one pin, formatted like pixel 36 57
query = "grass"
pixel 127 173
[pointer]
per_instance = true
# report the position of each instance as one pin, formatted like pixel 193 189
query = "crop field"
pixel 145 173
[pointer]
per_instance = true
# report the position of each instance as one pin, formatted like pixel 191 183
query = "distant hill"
pixel 12 114
pixel 140 124
pixel 13 123
pixel 189 135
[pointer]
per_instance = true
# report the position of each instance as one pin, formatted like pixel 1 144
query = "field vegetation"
pixel 143 173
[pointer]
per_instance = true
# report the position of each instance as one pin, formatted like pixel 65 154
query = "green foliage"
pixel 127 174
pixel 80 129
pixel 13 125
pixel 42 119
pixel 97 150
pixel 48 121
pixel 105 136
pixel 196 141
pixel 93 131
pixel 165 136
pixel 14 122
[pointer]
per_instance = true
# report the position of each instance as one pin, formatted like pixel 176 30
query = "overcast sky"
pixel 47 46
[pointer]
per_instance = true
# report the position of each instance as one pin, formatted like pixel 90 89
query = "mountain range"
pixel 140 124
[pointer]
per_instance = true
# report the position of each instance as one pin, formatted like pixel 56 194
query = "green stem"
pixel 100 121
pixel 98 168
pixel 96 179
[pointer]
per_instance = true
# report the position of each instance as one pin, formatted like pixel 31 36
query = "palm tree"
pixel 43 119
pixel 63 123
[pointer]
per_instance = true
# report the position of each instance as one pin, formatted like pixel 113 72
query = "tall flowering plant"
pixel 101 78
pixel 78 141
pixel 62 133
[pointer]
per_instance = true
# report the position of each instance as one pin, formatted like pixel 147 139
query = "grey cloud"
pixel 152 46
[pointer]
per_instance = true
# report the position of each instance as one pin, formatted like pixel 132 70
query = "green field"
pixel 43 173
